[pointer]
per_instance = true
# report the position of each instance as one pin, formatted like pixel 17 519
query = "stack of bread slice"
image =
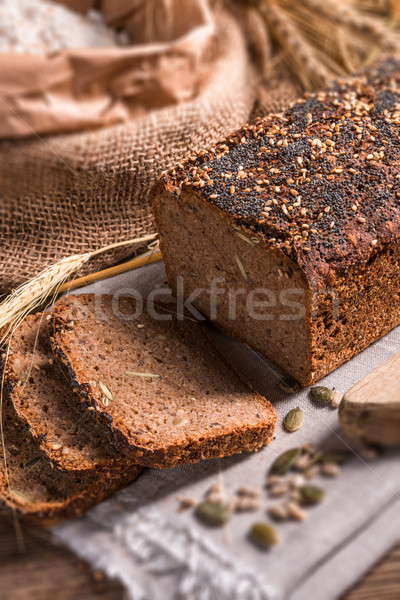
pixel 95 390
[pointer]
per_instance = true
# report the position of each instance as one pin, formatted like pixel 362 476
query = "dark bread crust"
pixel 334 149
pixel 239 438
pixel 47 514
pixel 91 462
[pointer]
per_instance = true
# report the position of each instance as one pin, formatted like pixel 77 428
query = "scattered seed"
pixel 321 393
pixel 311 494
pixel 295 496
pixel 334 457
pixel 216 488
pixel 56 446
pixel 309 448
pixel 296 481
pixel 294 511
pixel 330 469
pixel 303 462
pixel 216 498
pixel 187 502
pixel 105 401
pixel 264 535
pixel 294 419
pixel 280 489
pixel 277 512
pixel 288 385
pixel 245 503
pixel 213 514
pixel 285 461
pixel 274 479
pixel 248 490
pixel 311 472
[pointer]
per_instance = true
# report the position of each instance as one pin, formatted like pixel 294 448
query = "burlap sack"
pixel 68 194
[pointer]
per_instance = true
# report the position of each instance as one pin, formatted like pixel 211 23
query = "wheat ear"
pixel 35 292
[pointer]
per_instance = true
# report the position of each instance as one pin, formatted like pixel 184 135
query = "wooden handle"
pixel 370 410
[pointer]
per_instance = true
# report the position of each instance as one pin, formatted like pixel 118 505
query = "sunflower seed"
pixel 245 503
pixel 295 512
pixel 248 490
pixel 280 489
pixel 330 469
pixel 277 512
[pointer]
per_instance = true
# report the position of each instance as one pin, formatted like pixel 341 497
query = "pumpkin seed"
pixel 213 514
pixel 288 385
pixel 311 494
pixel 264 535
pixel 321 393
pixel 294 419
pixel 284 461
pixel 335 457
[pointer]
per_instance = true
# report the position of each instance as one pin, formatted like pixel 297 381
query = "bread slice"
pixel 38 493
pixel 43 398
pixel 162 391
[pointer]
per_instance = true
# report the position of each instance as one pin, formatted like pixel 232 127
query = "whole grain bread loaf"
pixel 43 398
pixel 286 234
pixel 38 493
pixel 165 396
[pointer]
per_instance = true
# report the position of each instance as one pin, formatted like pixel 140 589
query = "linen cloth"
pixel 159 553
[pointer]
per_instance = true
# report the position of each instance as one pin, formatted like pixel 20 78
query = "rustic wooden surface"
pixel 43 571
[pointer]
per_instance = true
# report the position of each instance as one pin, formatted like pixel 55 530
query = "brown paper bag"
pixel 76 192
pixel 84 88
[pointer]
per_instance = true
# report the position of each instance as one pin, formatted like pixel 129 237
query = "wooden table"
pixel 43 571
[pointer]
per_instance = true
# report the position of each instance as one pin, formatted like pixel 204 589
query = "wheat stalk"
pixel 319 40
pixel 35 292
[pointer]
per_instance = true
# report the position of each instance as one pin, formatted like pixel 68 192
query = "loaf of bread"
pixel 286 234
pixel 162 394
